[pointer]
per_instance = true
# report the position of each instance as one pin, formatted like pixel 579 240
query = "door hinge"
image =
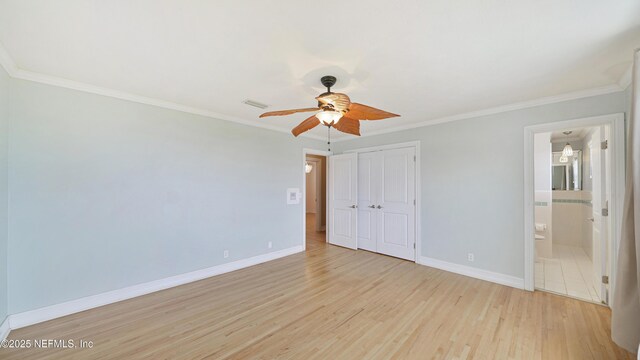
pixel 414 201
pixel 414 158
pixel 605 279
pixel 604 145
pixel 414 245
pixel 605 212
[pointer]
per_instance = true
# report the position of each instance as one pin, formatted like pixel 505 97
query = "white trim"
pixel 617 144
pixel 473 272
pixel 529 211
pixel 14 71
pixel 5 329
pixel 69 84
pixel 385 147
pixel 27 318
pixel 500 109
pixel 625 80
pixel 418 192
pixel 326 154
pixel 418 203
pixel 7 62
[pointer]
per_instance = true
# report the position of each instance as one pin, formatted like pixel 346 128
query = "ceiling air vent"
pixel 255 104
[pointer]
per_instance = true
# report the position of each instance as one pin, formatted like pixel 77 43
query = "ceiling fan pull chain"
pixel 329 137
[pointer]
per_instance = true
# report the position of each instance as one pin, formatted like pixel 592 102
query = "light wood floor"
pixel 334 303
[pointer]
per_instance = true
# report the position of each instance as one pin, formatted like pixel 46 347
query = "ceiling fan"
pixel 334 110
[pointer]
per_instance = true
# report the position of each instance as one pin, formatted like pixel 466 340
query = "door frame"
pixel 617 146
pixel 416 146
pixel 326 154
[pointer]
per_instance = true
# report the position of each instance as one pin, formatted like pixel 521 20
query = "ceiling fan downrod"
pixel 328 81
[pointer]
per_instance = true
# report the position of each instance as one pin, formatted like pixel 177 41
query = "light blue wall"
pixel 4 130
pixel 108 193
pixel 473 182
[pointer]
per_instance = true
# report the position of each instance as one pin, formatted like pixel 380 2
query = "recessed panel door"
pixel 369 171
pixel 396 204
pixel 343 197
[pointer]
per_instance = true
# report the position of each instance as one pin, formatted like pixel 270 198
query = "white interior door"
pixel 343 198
pixel 395 235
pixel 606 220
pixel 599 202
pixel 369 171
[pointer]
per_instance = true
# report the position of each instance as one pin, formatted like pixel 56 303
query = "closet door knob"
pixel 354 206
pixel 372 206
pixel 379 207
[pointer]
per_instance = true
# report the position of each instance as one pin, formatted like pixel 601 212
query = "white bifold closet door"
pixel 386 202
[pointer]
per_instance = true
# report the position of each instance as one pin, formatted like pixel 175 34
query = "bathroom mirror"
pixel 567 176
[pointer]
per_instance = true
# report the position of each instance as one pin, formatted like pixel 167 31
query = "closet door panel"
pixel 343 200
pixel 396 215
pixel 368 172
pixel 395 177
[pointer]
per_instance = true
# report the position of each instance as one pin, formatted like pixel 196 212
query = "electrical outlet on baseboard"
pixel 226 254
pixel 270 245
pixel 470 257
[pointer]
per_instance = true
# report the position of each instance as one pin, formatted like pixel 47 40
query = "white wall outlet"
pixel 270 245
pixel 470 257
pixel 226 254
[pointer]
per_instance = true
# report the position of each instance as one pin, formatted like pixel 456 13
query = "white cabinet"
pixel 386 202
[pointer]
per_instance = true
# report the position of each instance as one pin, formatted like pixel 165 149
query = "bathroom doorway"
pixel 573 218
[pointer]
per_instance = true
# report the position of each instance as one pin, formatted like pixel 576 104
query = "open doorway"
pixel 574 213
pixel 315 200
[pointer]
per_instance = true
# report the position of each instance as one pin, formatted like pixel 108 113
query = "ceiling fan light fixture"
pixel 329 117
pixel 564 159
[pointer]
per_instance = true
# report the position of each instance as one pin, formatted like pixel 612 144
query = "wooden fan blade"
pixel 348 125
pixel 337 100
pixel 364 112
pixel 287 112
pixel 306 125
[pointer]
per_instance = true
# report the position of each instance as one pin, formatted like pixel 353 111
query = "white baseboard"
pixel 481 274
pixel 4 329
pixel 16 321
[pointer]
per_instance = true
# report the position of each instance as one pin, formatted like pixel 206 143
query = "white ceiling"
pixel 422 59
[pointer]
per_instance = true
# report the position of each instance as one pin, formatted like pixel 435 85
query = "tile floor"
pixel 570 272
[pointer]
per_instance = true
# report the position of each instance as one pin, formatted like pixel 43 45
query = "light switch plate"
pixel 293 196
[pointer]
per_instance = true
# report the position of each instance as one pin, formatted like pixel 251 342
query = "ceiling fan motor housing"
pixel 328 81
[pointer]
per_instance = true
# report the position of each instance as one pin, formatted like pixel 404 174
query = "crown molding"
pixel 501 109
pixel 625 80
pixel 7 62
pixel 14 71
pixel 69 84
